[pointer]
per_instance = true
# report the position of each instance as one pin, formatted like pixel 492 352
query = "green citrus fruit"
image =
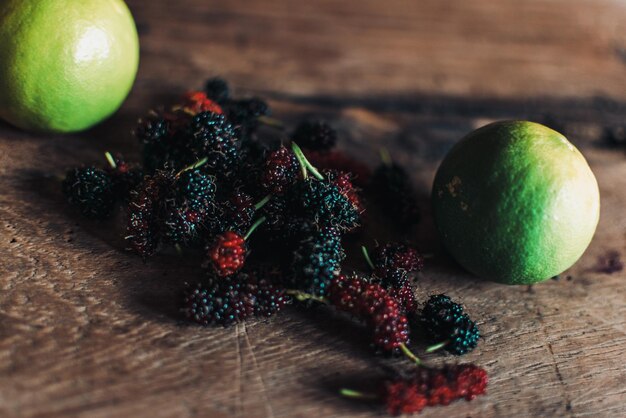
pixel 515 202
pixel 65 65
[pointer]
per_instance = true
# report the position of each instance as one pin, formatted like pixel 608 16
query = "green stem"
pixel 110 159
pixel 349 393
pixel 271 122
pixel 262 202
pixel 254 226
pixel 193 166
pixel 303 296
pixel 304 163
pixel 436 347
pixel 409 354
pixel 367 257
pixel 385 156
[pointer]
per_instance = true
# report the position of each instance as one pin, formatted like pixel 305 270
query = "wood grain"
pixel 88 330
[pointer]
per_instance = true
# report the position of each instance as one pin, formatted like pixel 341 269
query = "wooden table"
pixel 88 330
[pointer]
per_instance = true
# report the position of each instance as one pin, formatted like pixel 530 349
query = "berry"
pixel 343 181
pixel 217 89
pixel 399 287
pixel 269 299
pixel 323 203
pixel 195 189
pixel 125 177
pixel 393 191
pixel 280 171
pixel 227 254
pixel 238 212
pixel 614 135
pixel 195 102
pixel 393 257
pixel 143 229
pixel 315 135
pixel 445 322
pixel 90 190
pixel 371 303
pixel 180 226
pixel 431 387
pixel 223 301
pixel 317 259
pixel 152 129
pixel 214 138
pixel 246 111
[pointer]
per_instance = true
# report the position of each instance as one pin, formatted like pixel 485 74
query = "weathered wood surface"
pixel 89 330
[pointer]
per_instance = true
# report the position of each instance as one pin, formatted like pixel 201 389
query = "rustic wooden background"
pixel 89 330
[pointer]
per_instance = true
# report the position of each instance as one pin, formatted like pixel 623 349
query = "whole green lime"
pixel 515 202
pixel 65 65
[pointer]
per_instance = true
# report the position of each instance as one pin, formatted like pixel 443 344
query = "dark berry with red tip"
pixel 281 170
pixel 393 257
pixel 222 301
pixel 337 160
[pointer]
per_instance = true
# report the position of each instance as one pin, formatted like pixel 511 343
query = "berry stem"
pixel 110 159
pixel 436 347
pixel 303 296
pixel 193 166
pixel 271 122
pixel 304 163
pixel 367 257
pixel 254 226
pixel 409 354
pixel 262 202
pixel 350 393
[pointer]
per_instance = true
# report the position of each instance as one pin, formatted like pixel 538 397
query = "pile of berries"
pixel 218 177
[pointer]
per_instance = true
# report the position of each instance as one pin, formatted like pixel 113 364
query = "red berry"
pixel 343 181
pixel 227 255
pixel 197 101
pixel 371 303
pixel 431 387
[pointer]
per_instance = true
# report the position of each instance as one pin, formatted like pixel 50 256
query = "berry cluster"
pixel 210 181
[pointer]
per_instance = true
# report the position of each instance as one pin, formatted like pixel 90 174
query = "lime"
pixel 65 65
pixel 515 202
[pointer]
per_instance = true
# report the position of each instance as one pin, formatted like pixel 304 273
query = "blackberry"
pixel 180 226
pixel 447 325
pixel 315 135
pixel 317 260
pixel 399 286
pixel 195 189
pixel 269 298
pixel 392 189
pixel 238 212
pixel 343 181
pixel 223 301
pixel 247 111
pixel 217 89
pixel 152 130
pixel 323 203
pixel 393 257
pixel 91 191
pixel 614 135
pixel 409 394
pixel 214 138
pixel 280 171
